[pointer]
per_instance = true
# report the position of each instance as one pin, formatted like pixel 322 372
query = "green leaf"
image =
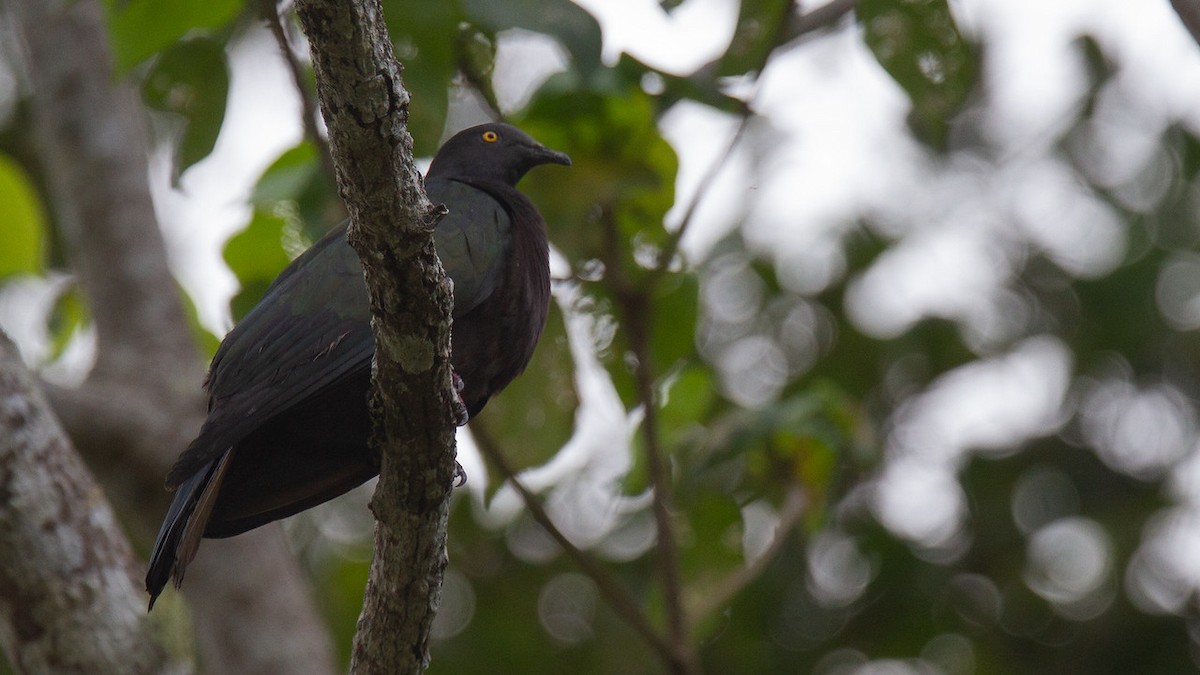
pixel 296 183
pixel 256 255
pixel 67 316
pixel 139 29
pixel 688 405
pixel 22 222
pixel 920 46
pixel 622 168
pixel 287 176
pixel 800 440
pixel 758 23
pixel 570 24
pixel 712 539
pixel 425 36
pixel 700 86
pixel 191 80
pixel 675 310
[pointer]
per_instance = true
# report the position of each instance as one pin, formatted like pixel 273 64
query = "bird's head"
pixel 493 151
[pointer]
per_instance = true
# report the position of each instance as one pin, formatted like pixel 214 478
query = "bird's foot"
pixel 460 476
pixel 461 415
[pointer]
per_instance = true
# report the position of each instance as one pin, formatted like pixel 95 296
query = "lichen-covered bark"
pixel 70 597
pixel 365 108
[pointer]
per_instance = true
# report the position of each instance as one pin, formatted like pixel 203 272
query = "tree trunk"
pixel 366 109
pixel 70 594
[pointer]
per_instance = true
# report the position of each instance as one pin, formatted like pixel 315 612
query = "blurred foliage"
pixel 22 221
pixel 437 41
pixel 841 589
pixel 919 44
pixel 190 80
pixel 142 29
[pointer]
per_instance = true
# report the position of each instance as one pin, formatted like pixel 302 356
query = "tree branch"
pixel 722 593
pixel 618 598
pixel 635 318
pixel 1189 14
pixel 798 25
pixel 637 321
pixel 67 574
pixel 366 109
pixel 308 104
pixel 667 254
pixel 803 23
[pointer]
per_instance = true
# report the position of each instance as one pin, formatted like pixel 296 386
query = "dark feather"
pixel 288 426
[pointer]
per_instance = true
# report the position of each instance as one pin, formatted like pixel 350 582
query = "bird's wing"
pixel 472 240
pixel 310 331
pixel 312 328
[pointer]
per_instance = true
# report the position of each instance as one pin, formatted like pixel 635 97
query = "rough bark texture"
pixel 143 402
pixel 365 108
pixel 70 597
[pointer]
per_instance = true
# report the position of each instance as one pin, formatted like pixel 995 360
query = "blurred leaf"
pixel 800 440
pixel 256 255
pixel 425 37
pixel 344 584
pixel 536 413
pixel 138 29
pixel 287 176
pixel 22 222
pixel 622 169
pixel 688 406
pixel 711 541
pixel 675 311
pixel 757 25
pixel 477 62
pixel 67 316
pixel 191 80
pixel 920 46
pixel 296 183
pixel 576 29
pixel 700 86
pixel 610 203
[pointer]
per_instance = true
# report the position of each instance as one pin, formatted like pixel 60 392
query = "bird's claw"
pixel 461 414
pixel 460 476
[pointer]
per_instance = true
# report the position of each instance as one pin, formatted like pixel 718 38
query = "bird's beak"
pixel 545 155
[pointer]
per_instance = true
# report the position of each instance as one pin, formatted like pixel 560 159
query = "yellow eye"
pixel 490 136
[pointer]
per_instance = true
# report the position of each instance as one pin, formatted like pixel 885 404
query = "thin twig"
pixel 788 31
pixel 618 598
pixel 637 324
pixel 723 592
pixel 822 17
pixel 1189 14
pixel 478 78
pixel 671 247
pixel 636 320
pixel 308 102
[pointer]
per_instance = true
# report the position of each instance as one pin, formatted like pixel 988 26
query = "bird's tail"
pixel 183 527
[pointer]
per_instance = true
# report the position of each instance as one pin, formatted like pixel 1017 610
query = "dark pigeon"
pixel 287 423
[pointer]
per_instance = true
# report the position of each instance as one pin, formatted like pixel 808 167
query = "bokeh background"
pixel 917 286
